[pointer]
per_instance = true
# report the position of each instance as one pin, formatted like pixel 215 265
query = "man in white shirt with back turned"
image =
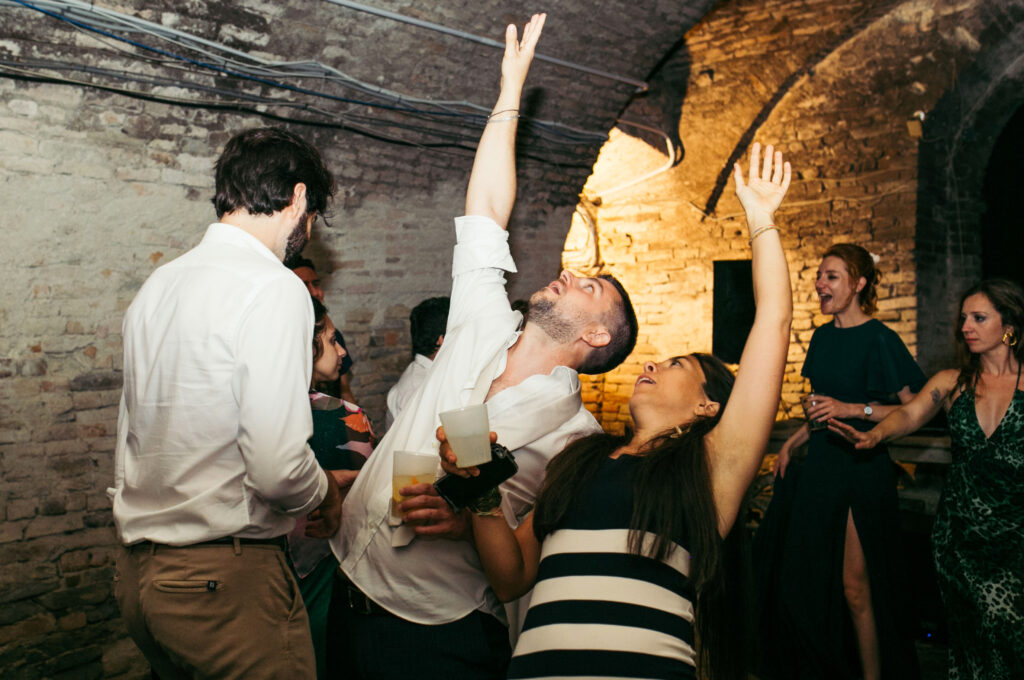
pixel 427 323
pixel 212 465
pixel 408 606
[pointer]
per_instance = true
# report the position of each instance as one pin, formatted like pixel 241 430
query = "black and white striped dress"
pixel 598 611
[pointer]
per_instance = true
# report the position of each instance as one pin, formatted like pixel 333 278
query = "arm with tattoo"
pixel 907 418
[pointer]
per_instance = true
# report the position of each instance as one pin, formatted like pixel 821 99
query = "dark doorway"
pixel 1002 227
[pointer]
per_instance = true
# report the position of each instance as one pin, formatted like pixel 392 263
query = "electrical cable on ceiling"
pixel 456 122
pixel 640 85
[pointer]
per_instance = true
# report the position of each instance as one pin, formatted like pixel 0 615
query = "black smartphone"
pixel 461 491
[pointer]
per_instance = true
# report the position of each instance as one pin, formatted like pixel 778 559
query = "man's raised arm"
pixel 492 184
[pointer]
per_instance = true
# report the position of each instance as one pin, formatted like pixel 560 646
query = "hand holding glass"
pixel 813 425
pixel 411 467
pixel 468 432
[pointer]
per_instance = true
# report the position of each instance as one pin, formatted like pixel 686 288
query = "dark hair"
pixel 859 263
pixel 319 324
pixel 258 171
pixel 621 323
pixel 427 321
pixel 297 261
pixel 1008 299
pixel 672 498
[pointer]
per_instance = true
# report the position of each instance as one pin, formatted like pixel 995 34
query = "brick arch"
pixel 959 136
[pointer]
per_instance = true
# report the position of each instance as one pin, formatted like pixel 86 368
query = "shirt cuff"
pixel 480 244
pixel 314 502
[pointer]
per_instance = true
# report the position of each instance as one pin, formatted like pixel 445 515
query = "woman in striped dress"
pixel 627 546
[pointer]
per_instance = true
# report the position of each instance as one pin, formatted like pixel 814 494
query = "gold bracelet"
pixel 760 231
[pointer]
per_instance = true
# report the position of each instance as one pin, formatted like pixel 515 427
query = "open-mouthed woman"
pixel 828 553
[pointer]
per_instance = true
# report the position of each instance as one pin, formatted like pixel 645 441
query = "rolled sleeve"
pixel 480 244
pixel 273 368
pixel 479 261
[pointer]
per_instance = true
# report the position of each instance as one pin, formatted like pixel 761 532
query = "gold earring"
pixel 1010 338
pixel 679 432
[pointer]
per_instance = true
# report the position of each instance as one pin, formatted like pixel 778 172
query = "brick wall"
pixel 101 188
pixel 960 134
pixel 833 84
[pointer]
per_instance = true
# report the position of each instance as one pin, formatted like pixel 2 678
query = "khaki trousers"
pixel 215 611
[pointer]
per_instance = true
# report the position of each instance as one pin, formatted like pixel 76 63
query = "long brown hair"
pixel 859 262
pixel 672 498
pixel 1008 299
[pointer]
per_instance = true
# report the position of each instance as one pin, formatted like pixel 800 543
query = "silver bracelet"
pixel 760 231
pixel 498 113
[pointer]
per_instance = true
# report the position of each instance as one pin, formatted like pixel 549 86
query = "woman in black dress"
pixel 827 551
pixel 979 528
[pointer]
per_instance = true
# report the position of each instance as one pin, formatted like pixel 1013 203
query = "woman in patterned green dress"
pixel 979 529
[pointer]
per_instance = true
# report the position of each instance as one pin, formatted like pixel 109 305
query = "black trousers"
pixel 365 642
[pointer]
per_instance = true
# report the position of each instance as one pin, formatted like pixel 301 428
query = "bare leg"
pixel 858 599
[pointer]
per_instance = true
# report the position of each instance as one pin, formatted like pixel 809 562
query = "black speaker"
pixel 733 313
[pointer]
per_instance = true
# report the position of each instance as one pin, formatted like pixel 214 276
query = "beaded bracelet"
pixel 761 230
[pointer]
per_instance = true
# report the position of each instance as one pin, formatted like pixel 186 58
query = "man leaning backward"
pixel 413 607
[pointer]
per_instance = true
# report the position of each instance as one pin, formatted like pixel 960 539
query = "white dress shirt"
pixel 401 392
pixel 214 415
pixel 435 582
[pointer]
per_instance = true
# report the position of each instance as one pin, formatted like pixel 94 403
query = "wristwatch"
pixel 868 410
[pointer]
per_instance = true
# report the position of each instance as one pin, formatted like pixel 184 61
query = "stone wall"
pixel 834 85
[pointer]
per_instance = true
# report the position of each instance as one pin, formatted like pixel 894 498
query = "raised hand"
pixel 767 182
pixel 519 53
pixel 492 184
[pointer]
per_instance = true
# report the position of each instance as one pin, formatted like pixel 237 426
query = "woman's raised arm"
pixel 738 442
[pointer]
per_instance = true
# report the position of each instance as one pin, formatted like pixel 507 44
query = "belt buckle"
pixel 360 604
